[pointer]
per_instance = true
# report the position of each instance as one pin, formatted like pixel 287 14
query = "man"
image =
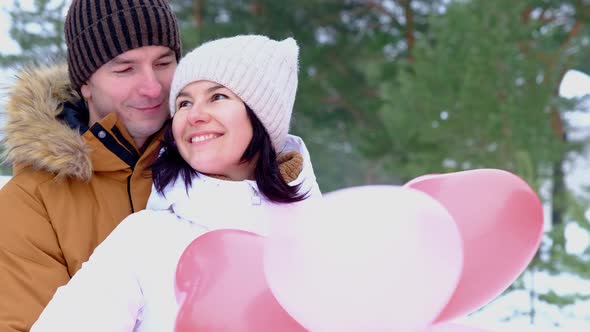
pixel 81 138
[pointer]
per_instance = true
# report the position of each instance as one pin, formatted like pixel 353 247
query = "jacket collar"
pixel 179 199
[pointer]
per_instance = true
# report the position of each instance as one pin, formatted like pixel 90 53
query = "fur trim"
pixel 290 165
pixel 33 136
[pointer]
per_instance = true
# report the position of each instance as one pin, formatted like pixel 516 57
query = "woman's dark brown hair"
pixel 170 165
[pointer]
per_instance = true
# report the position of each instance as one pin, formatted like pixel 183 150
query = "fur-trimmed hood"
pixel 33 135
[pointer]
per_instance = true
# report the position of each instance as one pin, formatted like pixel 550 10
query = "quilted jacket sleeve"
pixel 32 266
pixel 104 295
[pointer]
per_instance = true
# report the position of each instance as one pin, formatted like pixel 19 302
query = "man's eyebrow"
pixel 122 60
pixel 167 54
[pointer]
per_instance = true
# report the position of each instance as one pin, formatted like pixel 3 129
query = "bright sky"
pixel 574 84
pixel 8 45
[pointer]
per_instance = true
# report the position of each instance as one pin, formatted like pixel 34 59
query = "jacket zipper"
pixel 255 196
pixel 125 152
pixel 129 191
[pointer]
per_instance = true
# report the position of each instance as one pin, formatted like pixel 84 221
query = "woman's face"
pixel 212 130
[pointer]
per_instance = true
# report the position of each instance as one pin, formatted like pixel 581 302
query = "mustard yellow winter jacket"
pixel 68 192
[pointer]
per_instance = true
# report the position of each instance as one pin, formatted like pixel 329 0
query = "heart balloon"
pixel 220 286
pixel 372 258
pixel 453 327
pixel 500 219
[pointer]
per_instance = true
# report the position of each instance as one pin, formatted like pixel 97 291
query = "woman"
pixel 226 159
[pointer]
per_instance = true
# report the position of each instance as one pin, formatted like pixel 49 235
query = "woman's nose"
pixel 198 113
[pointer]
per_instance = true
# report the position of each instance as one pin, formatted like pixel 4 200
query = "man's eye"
pixel 164 64
pixel 122 70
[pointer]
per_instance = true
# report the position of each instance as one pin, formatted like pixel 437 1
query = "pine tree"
pixel 37 30
pixel 481 90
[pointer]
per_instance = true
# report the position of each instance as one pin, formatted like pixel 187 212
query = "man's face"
pixel 135 85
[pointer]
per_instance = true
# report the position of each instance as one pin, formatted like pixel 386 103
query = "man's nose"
pixel 150 85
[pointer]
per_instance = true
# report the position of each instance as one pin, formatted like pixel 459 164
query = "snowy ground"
pixel 547 318
pixel 3 180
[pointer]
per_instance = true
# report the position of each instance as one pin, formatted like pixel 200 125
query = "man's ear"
pixel 85 91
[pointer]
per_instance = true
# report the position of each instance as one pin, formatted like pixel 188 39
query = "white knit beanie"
pixel 259 70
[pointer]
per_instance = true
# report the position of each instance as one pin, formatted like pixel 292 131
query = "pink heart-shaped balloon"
pixel 372 258
pixel 500 218
pixel 453 327
pixel 221 286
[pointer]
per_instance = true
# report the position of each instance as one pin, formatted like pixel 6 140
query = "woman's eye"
pixel 219 96
pixel 182 104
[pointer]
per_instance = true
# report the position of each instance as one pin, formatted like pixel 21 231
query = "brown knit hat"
pixel 96 31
